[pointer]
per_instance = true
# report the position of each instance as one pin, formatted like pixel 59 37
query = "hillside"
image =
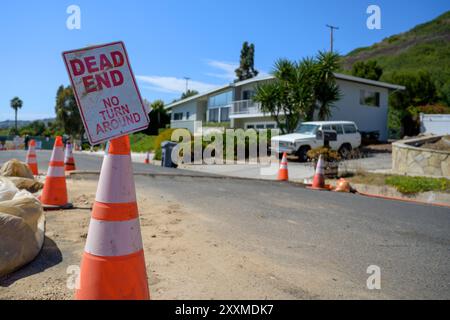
pixel 425 47
pixel 21 123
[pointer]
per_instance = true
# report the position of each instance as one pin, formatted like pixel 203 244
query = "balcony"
pixel 246 109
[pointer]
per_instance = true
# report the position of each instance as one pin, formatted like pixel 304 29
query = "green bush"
pixel 328 154
pixel 141 142
pixel 165 135
pixel 239 141
pixel 412 185
pixel 225 125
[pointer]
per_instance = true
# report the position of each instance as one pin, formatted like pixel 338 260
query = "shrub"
pixel 216 124
pixel 239 142
pixel 412 185
pixel 141 142
pixel 429 109
pixel 328 154
pixel 165 135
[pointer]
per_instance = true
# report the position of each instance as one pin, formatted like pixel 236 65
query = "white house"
pixel 363 101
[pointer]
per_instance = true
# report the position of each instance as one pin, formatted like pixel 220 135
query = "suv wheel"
pixel 345 151
pixel 301 153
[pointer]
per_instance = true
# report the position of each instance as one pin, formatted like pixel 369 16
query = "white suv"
pixel 309 135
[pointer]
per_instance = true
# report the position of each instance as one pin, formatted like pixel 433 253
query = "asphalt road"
pixel 88 162
pixel 340 235
pixel 336 236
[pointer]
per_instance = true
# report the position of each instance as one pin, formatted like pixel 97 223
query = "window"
pixel 187 115
pixel 221 99
pixel 247 94
pixel 326 127
pixel 307 129
pixel 260 125
pixel 349 128
pixel 178 116
pixel 337 128
pixel 369 98
pixel 213 115
pixel 224 114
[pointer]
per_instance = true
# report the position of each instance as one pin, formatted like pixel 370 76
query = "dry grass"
pixel 364 177
pixel 442 144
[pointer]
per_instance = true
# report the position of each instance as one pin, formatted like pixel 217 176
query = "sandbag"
pixel 16 168
pixel 30 185
pixel 22 230
pixel 7 189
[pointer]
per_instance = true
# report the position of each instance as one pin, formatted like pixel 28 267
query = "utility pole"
pixel 332 28
pixel 187 83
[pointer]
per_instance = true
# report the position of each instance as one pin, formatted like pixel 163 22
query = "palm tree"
pixel 16 104
pixel 291 95
pixel 326 90
pixel 300 89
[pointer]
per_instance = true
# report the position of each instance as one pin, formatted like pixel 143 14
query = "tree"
pixel 300 89
pixel 326 90
pixel 246 68
pixel 158 117
pixel 67 113
pixel 16 104
pixel 188 93
pixel 35 128
pixel 368 70
pixel 420 90
pixel 290 96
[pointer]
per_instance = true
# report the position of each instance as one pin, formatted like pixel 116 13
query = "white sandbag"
pixel 7 189
pixel 22 231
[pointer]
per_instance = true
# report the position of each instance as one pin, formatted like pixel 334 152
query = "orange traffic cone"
pixel 113 263
pixel 31 157
pixel 54 194
pixel 283 171
pixel 147 158
pixel 69 160
pixel 319 177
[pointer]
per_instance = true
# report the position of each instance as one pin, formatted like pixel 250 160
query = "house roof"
pixel 370 82
pixel 339 76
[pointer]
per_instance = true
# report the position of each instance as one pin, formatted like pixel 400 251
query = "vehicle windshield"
pixel 309 129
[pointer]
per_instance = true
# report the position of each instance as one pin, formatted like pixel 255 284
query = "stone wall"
pixel 408 158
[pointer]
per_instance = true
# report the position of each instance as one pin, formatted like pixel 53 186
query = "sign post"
pixel 106 92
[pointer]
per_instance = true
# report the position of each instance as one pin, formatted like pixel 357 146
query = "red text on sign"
pixel 115 115
pixel 99 72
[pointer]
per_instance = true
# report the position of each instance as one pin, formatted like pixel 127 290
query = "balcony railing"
pixel 246 107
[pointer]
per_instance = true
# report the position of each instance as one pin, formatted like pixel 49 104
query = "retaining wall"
pixel 408 158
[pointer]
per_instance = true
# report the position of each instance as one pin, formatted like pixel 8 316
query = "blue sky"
pixel 167 39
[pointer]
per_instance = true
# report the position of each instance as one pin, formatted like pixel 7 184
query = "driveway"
pixel 374 162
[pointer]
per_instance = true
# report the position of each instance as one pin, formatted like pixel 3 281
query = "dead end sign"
pixel 106 92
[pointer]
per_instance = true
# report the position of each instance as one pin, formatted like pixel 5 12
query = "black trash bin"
pixel 166 154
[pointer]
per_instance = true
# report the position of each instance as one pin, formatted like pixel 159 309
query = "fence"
pixel 438 124
pixel 18 143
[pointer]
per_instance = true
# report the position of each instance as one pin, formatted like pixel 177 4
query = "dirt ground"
pixel 184 259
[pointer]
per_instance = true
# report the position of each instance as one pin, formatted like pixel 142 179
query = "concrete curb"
pixel 75 173
pixel 80 173
pixel 438 204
